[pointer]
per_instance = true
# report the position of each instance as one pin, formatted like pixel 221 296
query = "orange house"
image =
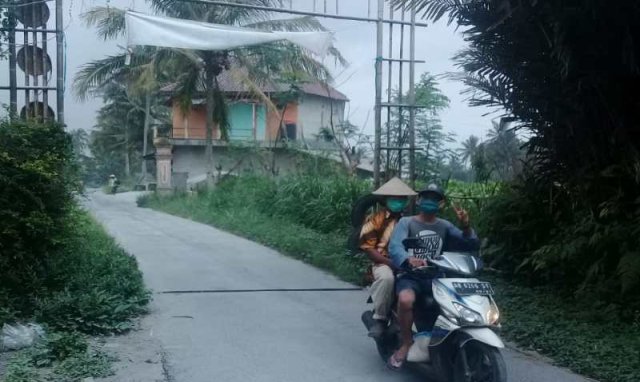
pixel 252 120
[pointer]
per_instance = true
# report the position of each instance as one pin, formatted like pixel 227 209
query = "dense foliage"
pixel 36 193
pixel 566 72
pixel 56 263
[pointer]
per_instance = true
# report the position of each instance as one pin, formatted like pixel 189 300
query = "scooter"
pixel 463 345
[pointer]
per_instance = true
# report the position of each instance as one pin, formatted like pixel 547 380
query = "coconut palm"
pixel 469 148
pixel 193 71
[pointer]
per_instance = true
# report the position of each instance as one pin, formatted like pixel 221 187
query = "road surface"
pixel 276 336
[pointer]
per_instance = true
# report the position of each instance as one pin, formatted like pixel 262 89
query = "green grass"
pixel 576 334
pixel 92 286
pixel 323 250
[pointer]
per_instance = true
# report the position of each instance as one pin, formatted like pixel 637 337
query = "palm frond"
pixel 296 24
pixel 97 73
pixel 108 20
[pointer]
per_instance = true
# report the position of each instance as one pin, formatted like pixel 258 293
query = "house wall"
pixel 192 160
pixel 315 113
pixel 291 115
pixel 194 127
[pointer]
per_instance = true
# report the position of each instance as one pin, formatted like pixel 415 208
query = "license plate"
pixel 483 289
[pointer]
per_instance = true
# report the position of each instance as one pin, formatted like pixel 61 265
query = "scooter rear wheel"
pixel 485 364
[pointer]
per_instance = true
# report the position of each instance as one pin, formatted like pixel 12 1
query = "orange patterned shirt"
pixel 376 231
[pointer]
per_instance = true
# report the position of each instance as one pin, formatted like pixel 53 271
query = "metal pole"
pixel 400 142
pixel 35 60
pixel 59 63
pixel 378 102
pixel 13 80
pixel 301 13
pixel 412 99
pixel 45 74
pixel 389 94
pixel 27 83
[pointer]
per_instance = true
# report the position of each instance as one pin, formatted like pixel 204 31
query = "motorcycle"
pixel 463 344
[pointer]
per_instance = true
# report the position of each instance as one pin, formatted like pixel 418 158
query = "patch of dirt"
pixel 139 354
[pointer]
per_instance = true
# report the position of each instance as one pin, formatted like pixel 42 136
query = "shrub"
pixel 36 192
pixel 93 285
pixel 544 234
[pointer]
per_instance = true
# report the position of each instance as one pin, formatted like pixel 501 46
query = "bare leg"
pixel 406 298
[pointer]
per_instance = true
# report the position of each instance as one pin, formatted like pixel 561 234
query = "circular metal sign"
pixel 29 59
pixel 32 14
pixel 36 111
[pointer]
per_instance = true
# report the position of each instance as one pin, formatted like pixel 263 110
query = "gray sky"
pixel 435 44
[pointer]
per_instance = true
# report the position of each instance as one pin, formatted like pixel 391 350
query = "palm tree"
pixel 503 149
pixel 199 70
pixel 469 148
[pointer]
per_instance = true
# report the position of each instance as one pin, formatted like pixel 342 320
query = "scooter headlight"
pixel 493 315
pixel 467 315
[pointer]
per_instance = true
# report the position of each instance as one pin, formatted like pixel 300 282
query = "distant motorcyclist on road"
pixel 438 235
pixel 113 184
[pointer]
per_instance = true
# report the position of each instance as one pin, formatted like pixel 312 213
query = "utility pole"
pixel 59 63
pixel 412 99
pixel 378 102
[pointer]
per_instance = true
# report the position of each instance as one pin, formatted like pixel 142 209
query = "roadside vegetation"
pixel 307 218
pixel 58 267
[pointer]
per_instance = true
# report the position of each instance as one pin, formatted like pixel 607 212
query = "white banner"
pixel 170 32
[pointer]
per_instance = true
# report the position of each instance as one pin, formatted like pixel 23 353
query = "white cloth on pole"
pixel 168 32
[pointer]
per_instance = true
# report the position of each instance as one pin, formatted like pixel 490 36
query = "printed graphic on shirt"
pixel 432 242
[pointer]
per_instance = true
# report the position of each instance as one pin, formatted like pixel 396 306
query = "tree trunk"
pixel 210 84
pixel 147 117
pixel 127 161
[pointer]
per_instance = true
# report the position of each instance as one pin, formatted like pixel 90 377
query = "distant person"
pixel 374 239
pixel 113 184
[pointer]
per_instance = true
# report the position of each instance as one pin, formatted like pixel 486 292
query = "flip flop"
pixel 394 363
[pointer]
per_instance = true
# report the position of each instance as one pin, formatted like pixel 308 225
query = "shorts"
pixel 421 286
pixel 426 311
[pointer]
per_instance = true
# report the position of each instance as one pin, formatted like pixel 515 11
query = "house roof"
pixel 231 81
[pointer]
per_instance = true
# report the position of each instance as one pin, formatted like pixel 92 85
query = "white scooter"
pixel 463 345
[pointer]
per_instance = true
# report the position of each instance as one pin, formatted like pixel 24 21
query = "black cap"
pixel 432 188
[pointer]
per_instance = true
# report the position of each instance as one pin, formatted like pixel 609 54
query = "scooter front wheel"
pixel 484 363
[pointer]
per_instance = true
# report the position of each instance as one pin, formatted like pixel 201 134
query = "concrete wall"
pixel 191 160
pixel 315 113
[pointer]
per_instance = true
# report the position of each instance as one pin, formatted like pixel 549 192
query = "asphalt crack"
pixel 213 291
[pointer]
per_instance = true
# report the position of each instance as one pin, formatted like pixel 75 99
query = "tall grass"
pixel 303 217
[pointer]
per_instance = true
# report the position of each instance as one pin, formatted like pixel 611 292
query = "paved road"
pixel 259 336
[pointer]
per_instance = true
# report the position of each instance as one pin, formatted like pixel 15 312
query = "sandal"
pixel 394 363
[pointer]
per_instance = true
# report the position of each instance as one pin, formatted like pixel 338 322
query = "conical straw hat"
pixel 395 187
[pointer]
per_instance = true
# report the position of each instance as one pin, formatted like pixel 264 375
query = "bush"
pixel 319 203
pixel 544 234
pixel 93 285
pixel 36 191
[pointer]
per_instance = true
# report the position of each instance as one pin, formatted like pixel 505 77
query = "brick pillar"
pixel 163 164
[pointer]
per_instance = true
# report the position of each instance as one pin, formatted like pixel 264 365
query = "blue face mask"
pixel 396 205
pixel 429 206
